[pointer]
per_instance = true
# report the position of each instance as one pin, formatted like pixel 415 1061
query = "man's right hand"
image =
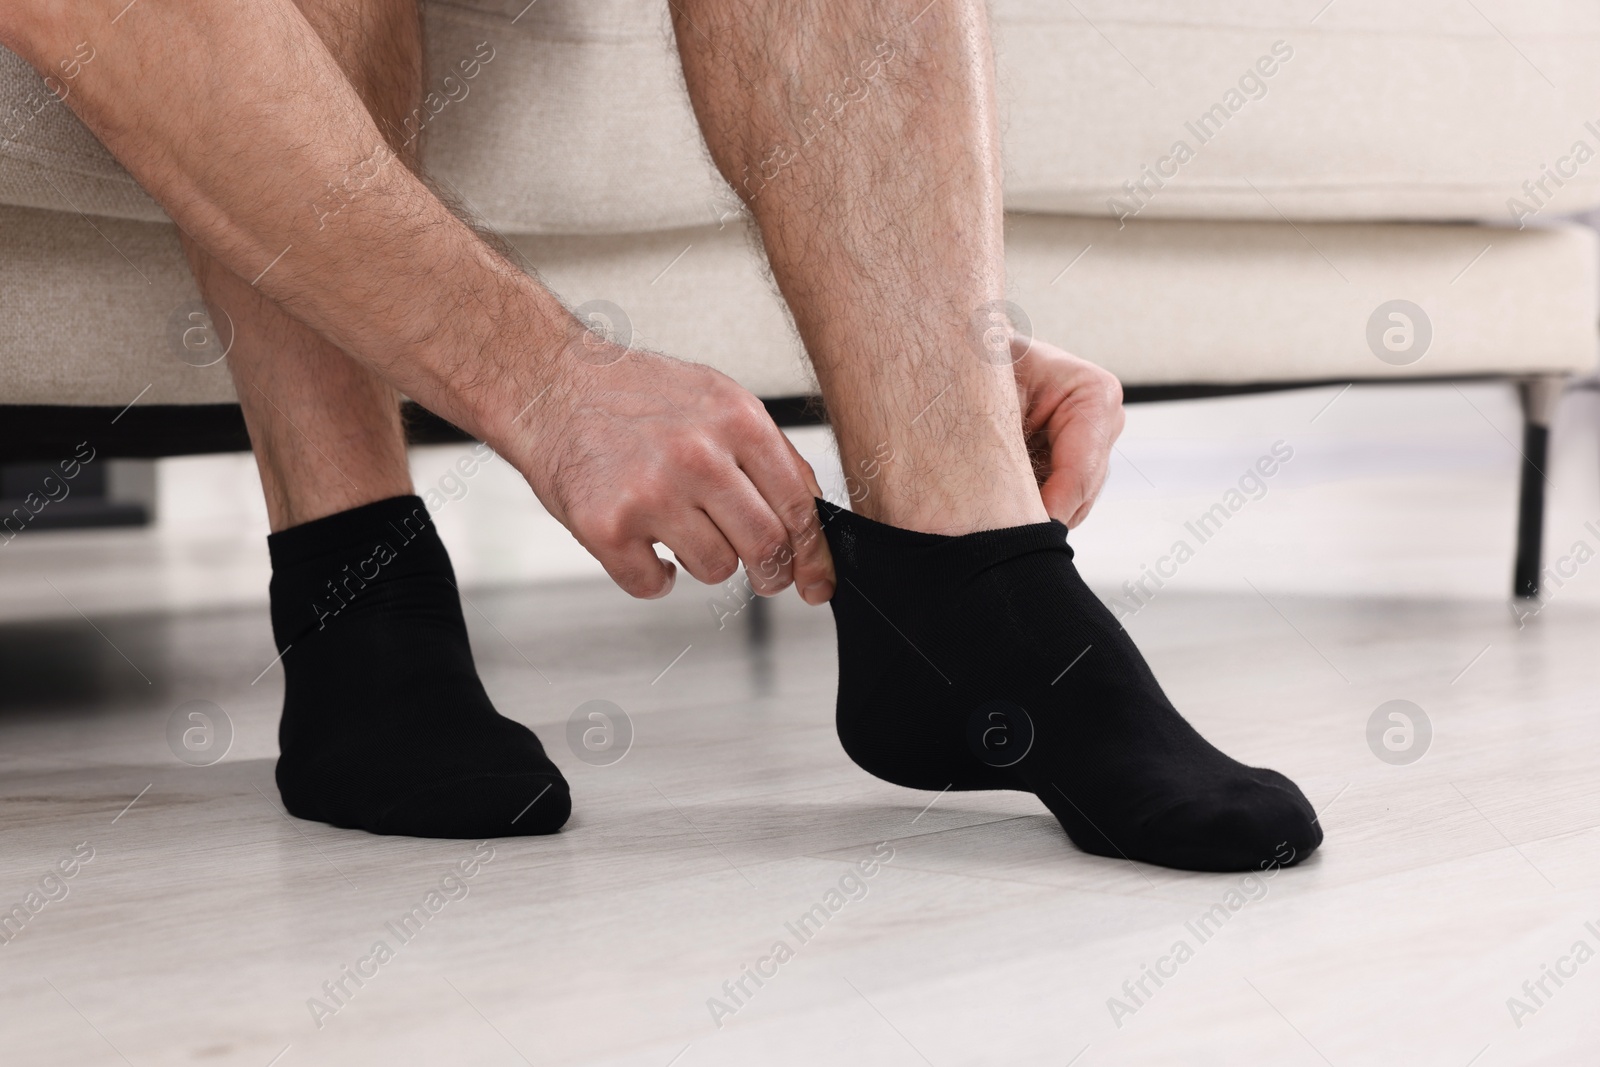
pixel 241 145
pixel 647 449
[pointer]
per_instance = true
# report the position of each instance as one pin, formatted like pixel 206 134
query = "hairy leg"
pixel 888 259
pixel 971 654
pixel 386 726
pixel 239 121
pixel 326 430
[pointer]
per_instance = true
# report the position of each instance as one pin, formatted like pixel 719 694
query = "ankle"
pixel 288 507
pixel 937 504
pixel 960 466
pixel 956 517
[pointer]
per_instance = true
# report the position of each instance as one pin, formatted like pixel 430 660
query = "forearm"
pixel 239 122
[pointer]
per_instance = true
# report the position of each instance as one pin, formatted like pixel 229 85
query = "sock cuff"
pixel 368 555
pixel 345 530
pixel 859 542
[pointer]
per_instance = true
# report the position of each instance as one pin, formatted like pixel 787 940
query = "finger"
pixel 756 533
pixel 1063 496
pixel 1078 466
pixel 1091 480
pixel 702 549
pixel 1069 495
pixel 1082 435
pixel 1082 513
pixel 813 565
pixel 789 486
pixel 637 569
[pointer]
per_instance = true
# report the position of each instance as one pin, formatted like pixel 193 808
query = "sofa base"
pixel 44 432
pixel 40 432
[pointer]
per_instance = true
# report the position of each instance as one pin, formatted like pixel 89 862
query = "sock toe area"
pixel 482 806
pixel 1245 825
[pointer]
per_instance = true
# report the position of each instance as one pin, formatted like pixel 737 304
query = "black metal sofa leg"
pixel 1539 397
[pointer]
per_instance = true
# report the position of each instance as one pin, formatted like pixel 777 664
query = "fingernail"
pixel 817 593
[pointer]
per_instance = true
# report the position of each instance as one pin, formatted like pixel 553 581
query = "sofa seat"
pixel 95 312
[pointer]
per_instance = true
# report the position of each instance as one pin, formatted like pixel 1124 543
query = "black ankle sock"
pixel 386 726
pixel 984 662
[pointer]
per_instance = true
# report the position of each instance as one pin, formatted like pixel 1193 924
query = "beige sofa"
pixel 1333 162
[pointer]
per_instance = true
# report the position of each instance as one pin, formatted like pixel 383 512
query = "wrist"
pixel 510 362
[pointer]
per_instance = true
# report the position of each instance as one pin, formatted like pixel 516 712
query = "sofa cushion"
pixel 1229 302
pixel 98 314
pixel 579 124
pixel 1352 109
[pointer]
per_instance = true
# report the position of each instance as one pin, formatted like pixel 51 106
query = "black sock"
pixel 386 726
pixel 984 662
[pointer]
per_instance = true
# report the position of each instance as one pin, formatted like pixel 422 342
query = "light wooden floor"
pixel 207 919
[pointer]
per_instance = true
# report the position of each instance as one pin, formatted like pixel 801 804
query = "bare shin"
pixel 326 430
pixel 863 139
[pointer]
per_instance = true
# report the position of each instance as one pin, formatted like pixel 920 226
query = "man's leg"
pixel 863 137
pixel 386 726
pixel 867 151
pixel 241 124
pixel 326 430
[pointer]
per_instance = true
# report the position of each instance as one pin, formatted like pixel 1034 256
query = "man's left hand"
pixel 1072 415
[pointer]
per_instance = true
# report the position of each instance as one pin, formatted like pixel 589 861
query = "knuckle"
pixel 803 546
pixel 1110 388
pixel 696 456
pixel 808 557
pixel 640 582
pixel 771 534
pixel 609 527
pixel 744 415
pixel 721 569
pixel 755 412
pixel 629 578
pixel 651 491
pixel 800 519
pixel 654 495
pixel 775 555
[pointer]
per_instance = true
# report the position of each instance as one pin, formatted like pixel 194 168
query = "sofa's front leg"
pixel 1539 396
